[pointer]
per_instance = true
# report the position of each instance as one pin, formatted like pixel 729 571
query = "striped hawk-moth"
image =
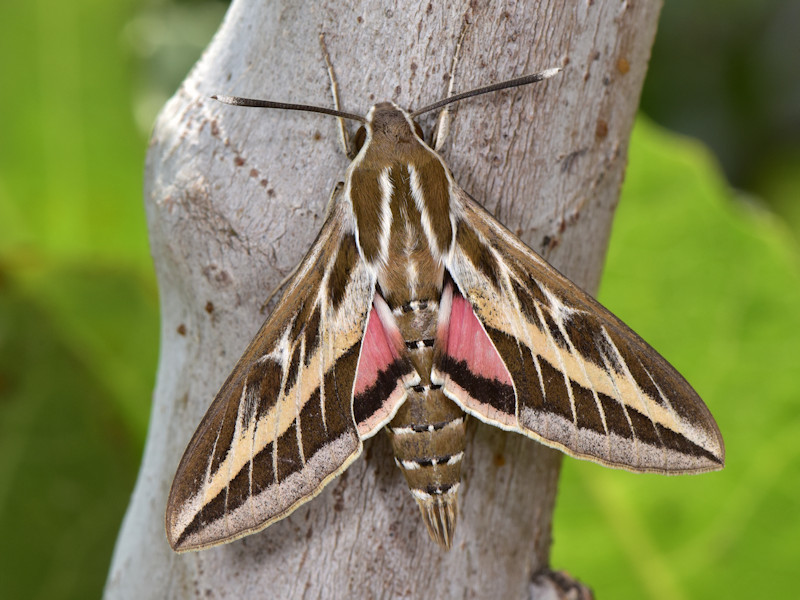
pixel 414 308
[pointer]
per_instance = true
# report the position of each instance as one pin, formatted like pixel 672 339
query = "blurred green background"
pixel 703 263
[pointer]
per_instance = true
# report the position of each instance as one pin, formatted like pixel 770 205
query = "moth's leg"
pixel 337 189
pixel 442 128
pixel 344 138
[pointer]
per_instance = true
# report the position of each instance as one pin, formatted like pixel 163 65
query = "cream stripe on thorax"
pixel 387 189
pixel 422 207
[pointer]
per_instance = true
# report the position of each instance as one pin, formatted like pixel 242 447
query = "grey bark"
pixel 235 196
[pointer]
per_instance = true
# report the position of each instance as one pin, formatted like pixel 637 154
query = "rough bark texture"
pixel 234 198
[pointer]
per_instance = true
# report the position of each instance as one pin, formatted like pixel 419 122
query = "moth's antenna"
pixel 238 101
pixel 495 87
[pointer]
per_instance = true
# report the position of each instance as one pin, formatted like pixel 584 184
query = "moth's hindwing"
pixel 523 348
pixel 282 425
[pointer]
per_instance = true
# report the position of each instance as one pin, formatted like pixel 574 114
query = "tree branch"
pixel 234 198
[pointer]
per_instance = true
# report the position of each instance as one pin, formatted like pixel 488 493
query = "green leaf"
pixel 68 454
pixel 78 306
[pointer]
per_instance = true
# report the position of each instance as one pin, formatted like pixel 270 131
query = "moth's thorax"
pixel 400 192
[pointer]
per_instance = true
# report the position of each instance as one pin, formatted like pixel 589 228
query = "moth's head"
pixel 387 122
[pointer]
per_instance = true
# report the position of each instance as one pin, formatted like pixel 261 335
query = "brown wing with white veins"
pixel 521 347
pixel 283 425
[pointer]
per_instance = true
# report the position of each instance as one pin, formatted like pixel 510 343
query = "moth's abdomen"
pixel 428 432
pixel 428 438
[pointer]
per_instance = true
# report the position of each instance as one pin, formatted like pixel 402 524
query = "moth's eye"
pixel 359 138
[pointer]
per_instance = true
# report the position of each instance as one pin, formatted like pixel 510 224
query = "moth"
pixel 414 308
